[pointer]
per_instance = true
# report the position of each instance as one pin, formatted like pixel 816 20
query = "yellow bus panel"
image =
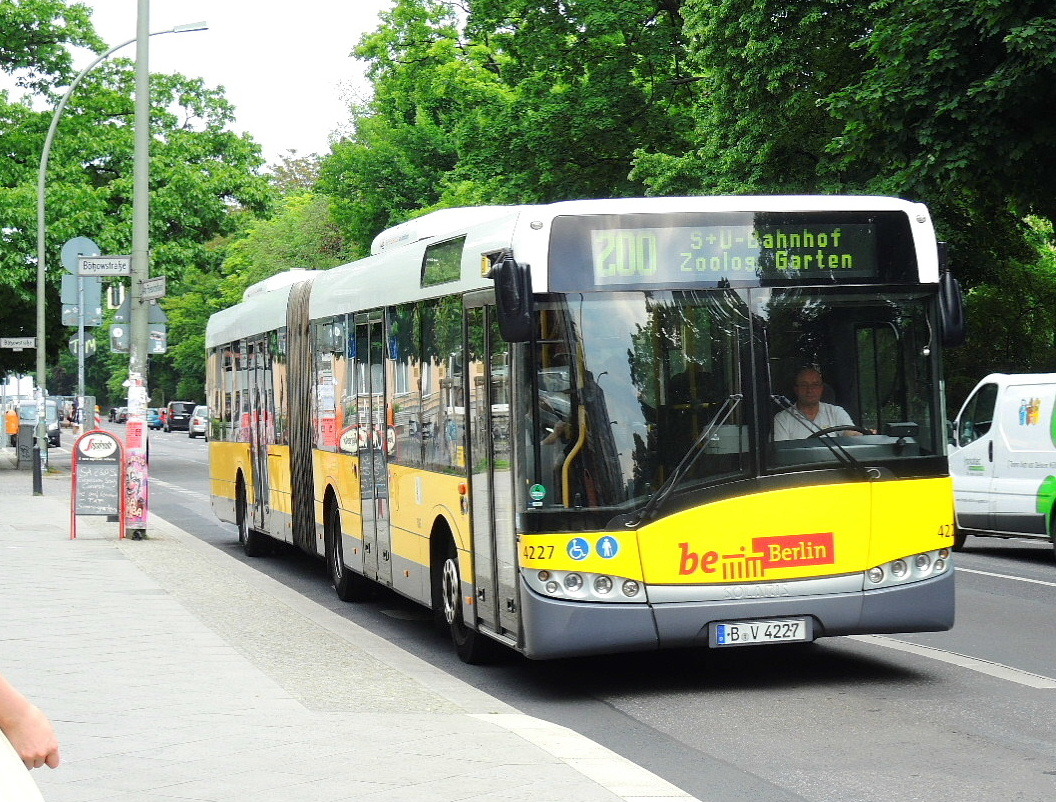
pixel 225 461
pixel 795 533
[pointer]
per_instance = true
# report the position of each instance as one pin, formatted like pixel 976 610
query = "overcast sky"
pixel 285 66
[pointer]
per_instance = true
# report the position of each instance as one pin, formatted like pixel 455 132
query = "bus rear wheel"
pixel 471 646
pixel 348 585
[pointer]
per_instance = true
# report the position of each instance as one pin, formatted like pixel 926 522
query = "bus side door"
pixel 373 444
pixel 260 412
pixel 489 406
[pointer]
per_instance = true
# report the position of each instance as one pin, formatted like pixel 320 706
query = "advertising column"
pixel 136 489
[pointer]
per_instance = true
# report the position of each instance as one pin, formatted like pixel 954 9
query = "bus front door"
pixel 373 447
pixel 490 468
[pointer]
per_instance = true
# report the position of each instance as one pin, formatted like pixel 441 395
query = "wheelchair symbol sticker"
pixel 608 547
pixel 578 548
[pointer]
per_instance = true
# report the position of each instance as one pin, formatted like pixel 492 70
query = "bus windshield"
pixel 627 383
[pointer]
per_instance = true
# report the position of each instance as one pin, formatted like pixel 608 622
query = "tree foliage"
pixel 520 101
pixel 36 33
pixel 763 71
pixel 517 101
pixel 200 172
pixel 300 234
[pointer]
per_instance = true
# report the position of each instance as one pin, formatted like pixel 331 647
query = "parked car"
pixel 154 419
pixel 178 418
pixel 199 424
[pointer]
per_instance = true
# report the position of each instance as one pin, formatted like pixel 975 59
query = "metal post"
pixel 80 335
pixel 136 429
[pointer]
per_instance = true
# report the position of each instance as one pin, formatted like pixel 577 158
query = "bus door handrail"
pixel 577 447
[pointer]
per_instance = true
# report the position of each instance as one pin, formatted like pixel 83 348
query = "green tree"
pixel 200 173
pixel 301 234
pixel 35 36
pixel 524 102
pixel 762 72
pixel 956 109
pixel 294 174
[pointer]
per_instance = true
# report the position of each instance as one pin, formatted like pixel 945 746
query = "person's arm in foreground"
pixel 27 728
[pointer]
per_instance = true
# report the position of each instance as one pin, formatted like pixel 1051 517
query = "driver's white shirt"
pixel 791 424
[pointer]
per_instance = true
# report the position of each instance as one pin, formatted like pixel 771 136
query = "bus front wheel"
pixel 471 646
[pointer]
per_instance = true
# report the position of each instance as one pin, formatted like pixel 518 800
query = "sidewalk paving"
pixel 174 672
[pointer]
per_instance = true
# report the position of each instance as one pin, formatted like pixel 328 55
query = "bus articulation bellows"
pixel 554 425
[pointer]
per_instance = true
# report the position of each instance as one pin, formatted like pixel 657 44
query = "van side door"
pixel 1024 459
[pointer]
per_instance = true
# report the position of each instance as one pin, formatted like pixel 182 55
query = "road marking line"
pixel 177 489
pixel 624 778
pixel 998 670
pixel 1007 576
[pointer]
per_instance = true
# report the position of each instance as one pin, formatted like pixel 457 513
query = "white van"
pixel 1003 459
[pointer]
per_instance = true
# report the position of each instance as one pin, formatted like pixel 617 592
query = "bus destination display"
pixel 687 254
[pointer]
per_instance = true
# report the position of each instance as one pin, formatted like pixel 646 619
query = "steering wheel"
pixel 836 429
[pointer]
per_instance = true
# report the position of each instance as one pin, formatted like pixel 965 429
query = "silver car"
pixel 199 423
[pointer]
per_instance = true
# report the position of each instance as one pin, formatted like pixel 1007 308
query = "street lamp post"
pixel 45 155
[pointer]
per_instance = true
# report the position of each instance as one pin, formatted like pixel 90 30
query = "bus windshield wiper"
pixel 664 491
pixel 837 449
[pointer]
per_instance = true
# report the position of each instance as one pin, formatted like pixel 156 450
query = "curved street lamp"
pixel 41 180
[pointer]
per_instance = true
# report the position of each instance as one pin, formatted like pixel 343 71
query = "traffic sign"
pixel 93 316
pixel 152 288
pixel 155 314
pixel 159 340
pixel 157 333
pixel 78 246
pixel 93 290
pixel 104 265
pixel 119 339
pixel 89 345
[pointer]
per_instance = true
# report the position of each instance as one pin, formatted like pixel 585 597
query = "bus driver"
pixel 809 413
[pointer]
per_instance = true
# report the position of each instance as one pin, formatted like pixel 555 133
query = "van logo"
pixel 1030 412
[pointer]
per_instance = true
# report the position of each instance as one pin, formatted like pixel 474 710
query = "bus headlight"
pixel 580 586
pixel 908 569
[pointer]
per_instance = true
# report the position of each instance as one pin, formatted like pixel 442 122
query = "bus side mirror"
pixel 951 304
pixel 513 299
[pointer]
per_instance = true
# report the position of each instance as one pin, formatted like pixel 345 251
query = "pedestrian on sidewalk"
pixel 12 426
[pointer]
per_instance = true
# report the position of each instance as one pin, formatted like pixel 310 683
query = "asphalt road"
pixel 963 715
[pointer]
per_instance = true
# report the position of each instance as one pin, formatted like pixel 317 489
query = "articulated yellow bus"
pixel 555 425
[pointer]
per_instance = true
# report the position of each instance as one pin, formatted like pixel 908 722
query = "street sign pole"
pixel 136 431
pixel 80 336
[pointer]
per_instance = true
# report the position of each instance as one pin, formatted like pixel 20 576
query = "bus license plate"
pixel 744 633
